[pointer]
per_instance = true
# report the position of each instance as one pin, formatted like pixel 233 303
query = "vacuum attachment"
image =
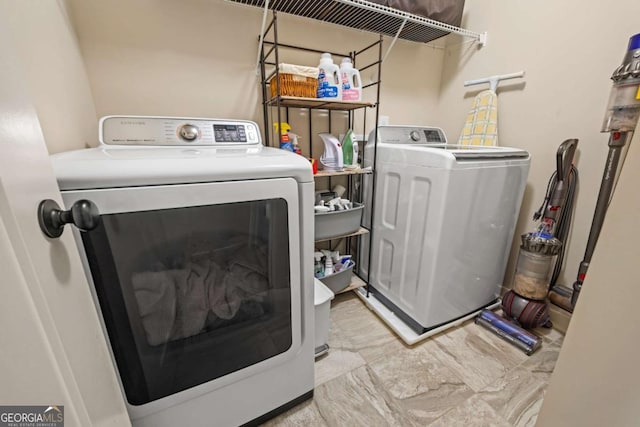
pixel 561 296
pixel 525 341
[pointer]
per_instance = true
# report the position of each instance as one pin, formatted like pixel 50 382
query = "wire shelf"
pixel 368 16
pixel 318 103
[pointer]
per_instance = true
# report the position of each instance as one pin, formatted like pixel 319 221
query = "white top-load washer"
pixel 444 218
pixel 200 265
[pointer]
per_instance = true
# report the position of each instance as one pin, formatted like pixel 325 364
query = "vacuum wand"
pixel 620 121
pixel 617 141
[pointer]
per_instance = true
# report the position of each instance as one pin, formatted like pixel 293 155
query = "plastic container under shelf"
pixel 322 302
pixel 338 223
pixel 339 281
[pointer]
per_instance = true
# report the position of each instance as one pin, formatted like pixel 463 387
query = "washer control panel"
pixel 177 131
pixel 411 135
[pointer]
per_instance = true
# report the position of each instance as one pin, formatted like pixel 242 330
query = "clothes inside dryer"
pixel 193 293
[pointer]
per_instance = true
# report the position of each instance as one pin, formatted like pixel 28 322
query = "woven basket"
pixel 294 85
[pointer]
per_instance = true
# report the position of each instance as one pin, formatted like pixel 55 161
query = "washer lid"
pixel 433 139
pixel 474 152
pixel 130 166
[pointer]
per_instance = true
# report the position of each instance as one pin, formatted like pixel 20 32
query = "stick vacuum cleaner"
pixel 620 121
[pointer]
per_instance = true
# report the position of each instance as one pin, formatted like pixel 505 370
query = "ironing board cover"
pixel 481 125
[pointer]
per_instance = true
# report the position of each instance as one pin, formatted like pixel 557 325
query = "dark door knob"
pixel 83 214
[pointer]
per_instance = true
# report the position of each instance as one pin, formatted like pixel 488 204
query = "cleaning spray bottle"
pixel 295 143
pixel 283 129
pixel 351 82
pixel 329 85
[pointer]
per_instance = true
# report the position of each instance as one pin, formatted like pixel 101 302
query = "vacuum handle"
pixel 564 158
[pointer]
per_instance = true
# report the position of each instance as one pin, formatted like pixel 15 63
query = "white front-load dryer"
pixel 443 222
pixel 200 265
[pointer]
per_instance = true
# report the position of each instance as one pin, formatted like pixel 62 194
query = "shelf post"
pixel 375 171
pixel 277 77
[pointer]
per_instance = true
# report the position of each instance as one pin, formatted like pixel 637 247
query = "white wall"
pixel 54 70
pixel 569 50
pixel 198 58
pixel 596 379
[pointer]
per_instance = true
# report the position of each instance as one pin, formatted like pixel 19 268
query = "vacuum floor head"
pixel 524 340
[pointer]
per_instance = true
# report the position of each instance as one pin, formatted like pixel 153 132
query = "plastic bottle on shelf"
pixel 349 151
pixel 351 82
pixel 283 129
pixel 295 143
pixel 329 84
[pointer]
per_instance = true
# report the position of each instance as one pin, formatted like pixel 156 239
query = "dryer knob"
pixel 415 135
pixel 189 132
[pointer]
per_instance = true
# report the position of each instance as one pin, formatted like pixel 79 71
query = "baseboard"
pixel 559 317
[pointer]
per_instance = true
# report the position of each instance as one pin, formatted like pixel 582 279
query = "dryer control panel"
pixel 177 131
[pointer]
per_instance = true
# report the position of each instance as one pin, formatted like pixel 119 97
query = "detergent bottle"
pixel 329 78
pixel 283 129
pixel 351 82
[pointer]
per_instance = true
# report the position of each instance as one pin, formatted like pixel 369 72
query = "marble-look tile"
pixel 344 303
pixel 542 363
pixel 339 360
pixel 474 412
pixel 363 330
pixel 476 355
pixel 356 399
pixel 304 415
pixel 516 397
pixel 529 416
pixel 509 354
pixel 548 334
pixel 421 383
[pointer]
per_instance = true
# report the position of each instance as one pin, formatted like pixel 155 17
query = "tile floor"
pixel 465 376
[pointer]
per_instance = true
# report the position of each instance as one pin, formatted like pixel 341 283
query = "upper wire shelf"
pixel 368 16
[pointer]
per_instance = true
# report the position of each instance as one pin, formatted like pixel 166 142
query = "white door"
pixel 53 351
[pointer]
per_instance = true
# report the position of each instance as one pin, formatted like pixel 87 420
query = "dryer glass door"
pixel 198 285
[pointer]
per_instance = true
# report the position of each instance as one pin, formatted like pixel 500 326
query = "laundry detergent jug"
pixel 329 85
pixel 351 82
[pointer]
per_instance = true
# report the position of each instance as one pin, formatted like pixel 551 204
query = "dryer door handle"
pixel 83 214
